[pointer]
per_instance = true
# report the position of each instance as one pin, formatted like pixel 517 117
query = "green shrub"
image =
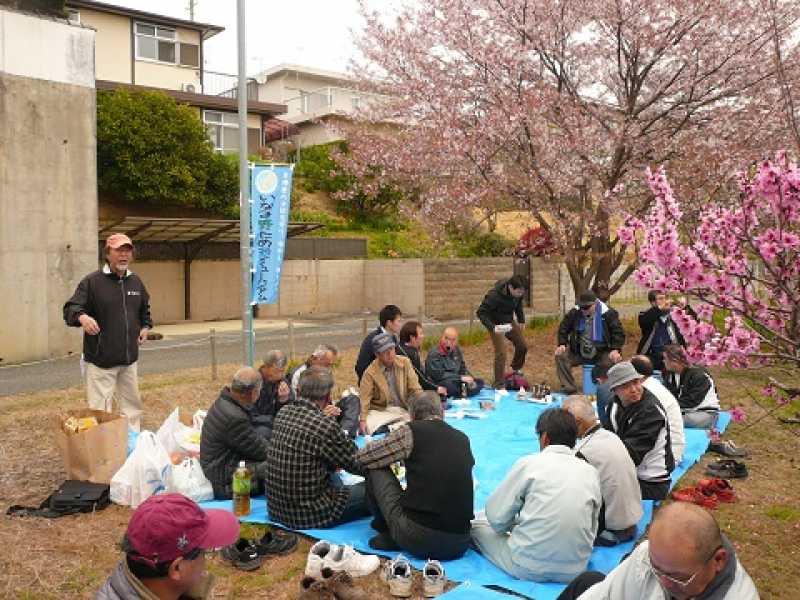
pixel 482 244
pixel 537 323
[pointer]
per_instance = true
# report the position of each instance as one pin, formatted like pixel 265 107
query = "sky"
pixel 312 33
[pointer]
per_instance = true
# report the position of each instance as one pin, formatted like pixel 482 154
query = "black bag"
pixel 70 498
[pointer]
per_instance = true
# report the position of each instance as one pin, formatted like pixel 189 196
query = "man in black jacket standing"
pixel 113 308
pixel 391 321
pixel 229 435
pixel 589 332
pixel 497 311
pixel 658 330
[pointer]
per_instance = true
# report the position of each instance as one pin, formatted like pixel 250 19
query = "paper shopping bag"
pixel 96 453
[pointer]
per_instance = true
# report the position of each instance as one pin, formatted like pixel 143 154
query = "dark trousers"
pixel 580 584
pixel 566 362
pixel 652 490
pixel 351 409
pixel 383 497
pixel 520 351
pixel 454 388
pixel 656 357
pixel 356 507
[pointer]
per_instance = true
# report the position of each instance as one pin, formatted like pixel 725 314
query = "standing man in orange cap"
pixel 113 308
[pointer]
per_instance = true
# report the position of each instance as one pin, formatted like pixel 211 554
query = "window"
pixel 190 55
pixel 154 42
pixel 355 102
pixel 223 130
pixel 74 15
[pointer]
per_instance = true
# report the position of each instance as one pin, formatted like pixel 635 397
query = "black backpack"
pixel 70 498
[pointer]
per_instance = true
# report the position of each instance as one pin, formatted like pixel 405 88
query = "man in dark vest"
pixel 431 518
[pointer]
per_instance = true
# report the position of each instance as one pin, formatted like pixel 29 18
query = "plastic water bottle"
pixel 241 491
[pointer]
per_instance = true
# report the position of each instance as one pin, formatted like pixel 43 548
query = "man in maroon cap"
pixel 165 547
pixel 113 308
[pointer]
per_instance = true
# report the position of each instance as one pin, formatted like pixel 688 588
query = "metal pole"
pixel 248 351
pixel 213 338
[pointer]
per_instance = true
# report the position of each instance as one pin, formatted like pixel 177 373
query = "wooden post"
pixel 471 316
pixel 291 339
pixel 364 327
pixel 213 340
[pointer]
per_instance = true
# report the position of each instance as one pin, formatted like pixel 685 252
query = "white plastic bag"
pixel 143 474
pixel 177 437
pixel 198 419
pixel 187 478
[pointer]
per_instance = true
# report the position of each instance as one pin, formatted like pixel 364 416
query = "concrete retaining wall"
pixel 454 288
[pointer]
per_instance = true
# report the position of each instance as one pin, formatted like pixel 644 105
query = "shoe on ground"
pixel 339 558
pixel 243 555
pixel 274 543
pixel 383 541
pixel 342 585
pixel 316 558
pixel 727 469
pixel 610 537
pixel 695 496
pixel 433 579
pixel 399 575
pixel 727 448
pixel 312 589
pixel 721 488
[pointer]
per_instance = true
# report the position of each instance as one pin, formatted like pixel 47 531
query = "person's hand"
pixel 331 411
pixel 441 390
pixel 615 356
pixel 467 379
pixel 90 326
pixel 143 335
pixel 283 392
pixel 362 427
pixel 560 349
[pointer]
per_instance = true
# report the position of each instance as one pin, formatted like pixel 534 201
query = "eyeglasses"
pixel 684 583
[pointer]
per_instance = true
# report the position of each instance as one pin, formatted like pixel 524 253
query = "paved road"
pixel 184 352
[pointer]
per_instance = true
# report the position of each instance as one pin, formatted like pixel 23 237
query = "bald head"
pixel 246 385
pixel 449 338
pixel 685 528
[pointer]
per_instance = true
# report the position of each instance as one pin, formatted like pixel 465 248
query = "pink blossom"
pixel 738 414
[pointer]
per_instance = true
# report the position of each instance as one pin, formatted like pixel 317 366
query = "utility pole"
pixel 191 9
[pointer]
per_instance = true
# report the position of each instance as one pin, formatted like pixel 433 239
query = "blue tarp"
pixel 497 442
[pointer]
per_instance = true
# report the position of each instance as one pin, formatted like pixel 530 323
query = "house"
pixel 315 99
pixel 139 50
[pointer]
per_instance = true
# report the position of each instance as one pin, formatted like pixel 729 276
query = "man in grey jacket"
pixel 686 557
pixel 541 521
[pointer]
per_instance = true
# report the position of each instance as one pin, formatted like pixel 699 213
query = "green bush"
pixel 151 149
pixel 482 244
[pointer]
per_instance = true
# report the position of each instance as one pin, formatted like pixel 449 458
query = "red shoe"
pixel 719 487
pixel 695 496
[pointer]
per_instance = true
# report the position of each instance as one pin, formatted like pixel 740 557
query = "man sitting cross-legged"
pixel 445 366
pixel 541 521
pixel 685 556
pixel 431 518
pixel 386 386
pixel 622 499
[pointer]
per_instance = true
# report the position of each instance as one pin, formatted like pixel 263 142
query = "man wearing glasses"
pixel 685 558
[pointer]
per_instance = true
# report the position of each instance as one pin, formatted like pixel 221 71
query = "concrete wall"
pixel 455 287
pixel 48 181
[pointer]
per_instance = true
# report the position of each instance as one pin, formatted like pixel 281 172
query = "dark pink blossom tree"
pixel 556 107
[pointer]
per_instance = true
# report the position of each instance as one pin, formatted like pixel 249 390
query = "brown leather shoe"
pixel 311 589
pixel 342 586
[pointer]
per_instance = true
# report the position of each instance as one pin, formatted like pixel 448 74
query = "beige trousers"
pixel 391 415
pixel 103 386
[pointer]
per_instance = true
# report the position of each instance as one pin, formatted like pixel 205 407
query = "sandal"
pixel 727 469
pixel 721 488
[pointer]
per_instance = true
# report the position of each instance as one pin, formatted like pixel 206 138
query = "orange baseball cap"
pixel 116 240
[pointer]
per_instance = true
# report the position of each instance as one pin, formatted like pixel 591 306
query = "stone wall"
pixel 454 288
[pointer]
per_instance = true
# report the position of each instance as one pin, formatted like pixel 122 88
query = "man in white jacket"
pixel 686 557
pixel 541 521
pixel 677 436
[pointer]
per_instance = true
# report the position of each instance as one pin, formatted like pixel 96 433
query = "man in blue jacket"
pixel 113 308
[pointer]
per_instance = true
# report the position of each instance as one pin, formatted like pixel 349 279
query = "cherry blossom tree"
pixel 556 107
pixel 743 259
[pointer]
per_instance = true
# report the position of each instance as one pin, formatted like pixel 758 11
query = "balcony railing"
pixel 327 100
pixel 226 85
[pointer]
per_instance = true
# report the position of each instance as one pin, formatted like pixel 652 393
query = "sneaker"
pixel 311 589
pixel 243 555
pixel 433 579
pixel 345 558
pixel 721 488
pixel 316 558
pixel 398 574
pixel 695 496
pixel 274 543
pixel 727 448
pixel 727 469
pixel 342 586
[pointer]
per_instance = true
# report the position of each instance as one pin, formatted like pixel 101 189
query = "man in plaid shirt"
pixel 307 447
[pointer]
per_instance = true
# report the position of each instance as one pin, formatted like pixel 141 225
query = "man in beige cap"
pixel 113 308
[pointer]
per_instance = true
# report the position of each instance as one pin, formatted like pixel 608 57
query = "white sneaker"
pixel 399 575
pixel 316 558
pixel 433 579
pixel 345 558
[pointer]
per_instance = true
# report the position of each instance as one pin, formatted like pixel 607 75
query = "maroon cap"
pixel 115 240
pixel 167 526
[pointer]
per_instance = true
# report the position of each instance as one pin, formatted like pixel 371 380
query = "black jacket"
pixel 365 353
pixel 413 355
pixel 647 322
pixel 499 307
pixel 265 409
pixel 228 437
pixel 695 383
pixel 443 369
pixel 121 307
pixel 613 334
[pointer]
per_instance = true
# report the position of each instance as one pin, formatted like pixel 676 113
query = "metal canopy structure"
pixel 191 234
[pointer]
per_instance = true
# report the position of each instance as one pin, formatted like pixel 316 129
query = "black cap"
pixel 587 299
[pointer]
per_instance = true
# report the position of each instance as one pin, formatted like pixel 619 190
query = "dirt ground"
pixel 71 556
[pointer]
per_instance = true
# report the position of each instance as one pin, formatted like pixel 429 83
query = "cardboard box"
pixel 97 453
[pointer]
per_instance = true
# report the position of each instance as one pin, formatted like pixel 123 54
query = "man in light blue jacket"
pixel 541 521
